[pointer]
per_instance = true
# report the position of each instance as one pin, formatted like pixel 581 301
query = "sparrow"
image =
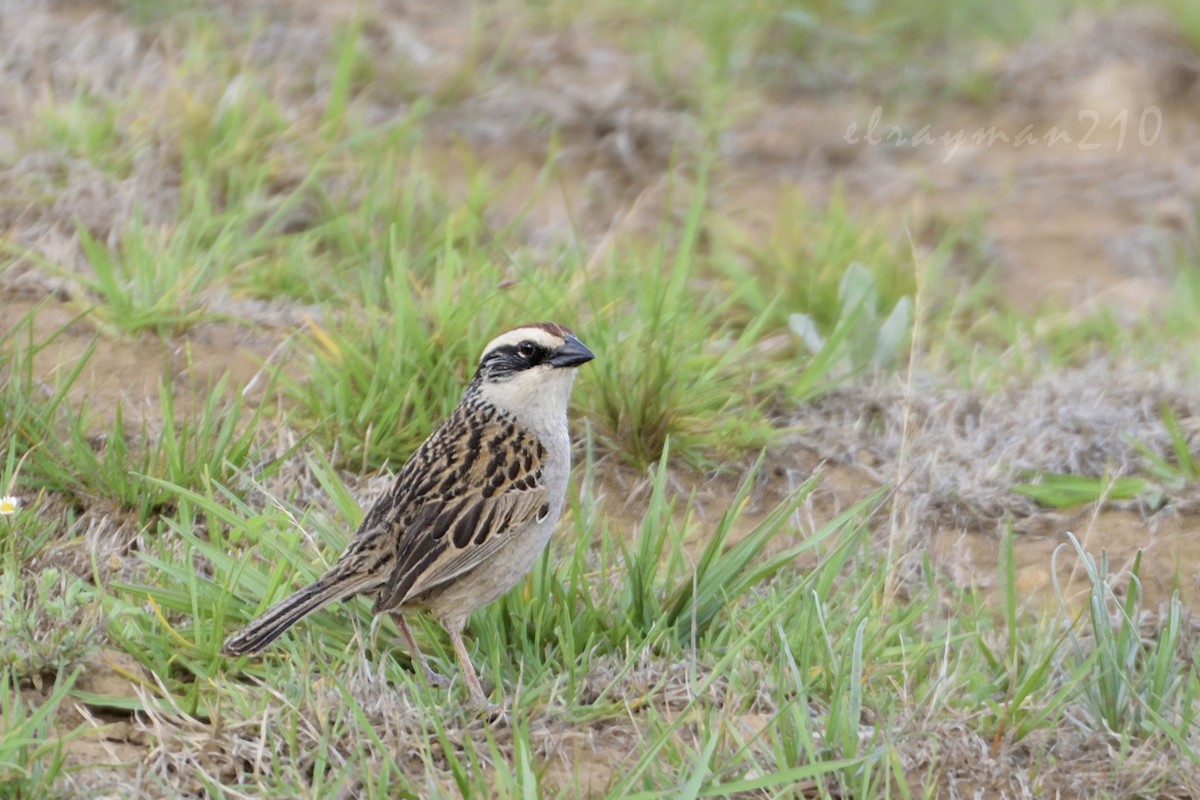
pixel 467 516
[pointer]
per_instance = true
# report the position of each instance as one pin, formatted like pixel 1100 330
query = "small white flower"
pixel 9 505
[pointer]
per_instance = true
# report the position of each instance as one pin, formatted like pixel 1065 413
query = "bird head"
pixel 530 369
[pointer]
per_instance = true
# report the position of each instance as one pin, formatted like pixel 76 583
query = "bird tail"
pixel 334 585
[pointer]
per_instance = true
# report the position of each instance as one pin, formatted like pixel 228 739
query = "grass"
pixel 70 451
pixel 31 757
pixel 717 616
pixel 1166 472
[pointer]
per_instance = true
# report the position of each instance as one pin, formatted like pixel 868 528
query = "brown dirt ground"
pixel 1083 227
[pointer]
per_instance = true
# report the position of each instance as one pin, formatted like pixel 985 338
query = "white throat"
pixel 538 399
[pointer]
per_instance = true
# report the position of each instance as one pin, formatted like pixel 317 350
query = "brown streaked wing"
pixel 447 534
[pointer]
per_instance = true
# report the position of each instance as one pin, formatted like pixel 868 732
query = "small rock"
pixel 112 674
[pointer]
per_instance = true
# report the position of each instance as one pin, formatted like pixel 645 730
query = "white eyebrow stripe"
pixel 518 335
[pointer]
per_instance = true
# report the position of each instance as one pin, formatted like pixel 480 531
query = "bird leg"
pixel 477 696
pixel 431 677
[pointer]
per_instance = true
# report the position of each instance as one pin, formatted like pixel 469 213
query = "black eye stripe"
pixel 522 350
pixel 509 359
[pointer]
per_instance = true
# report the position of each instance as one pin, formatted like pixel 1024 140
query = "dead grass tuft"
pixel 969 447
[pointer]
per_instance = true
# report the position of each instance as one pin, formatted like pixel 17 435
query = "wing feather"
pixel 489 484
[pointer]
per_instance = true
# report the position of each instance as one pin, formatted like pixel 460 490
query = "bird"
pixel 470 512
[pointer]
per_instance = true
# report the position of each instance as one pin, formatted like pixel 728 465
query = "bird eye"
pixel 526 350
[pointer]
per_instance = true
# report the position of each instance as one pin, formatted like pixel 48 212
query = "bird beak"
pixel 571 354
